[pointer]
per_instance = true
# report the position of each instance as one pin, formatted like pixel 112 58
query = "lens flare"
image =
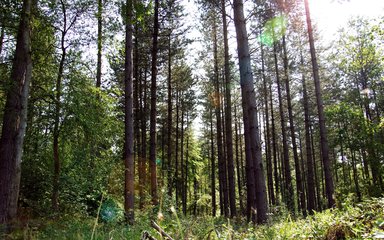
pixel 273 30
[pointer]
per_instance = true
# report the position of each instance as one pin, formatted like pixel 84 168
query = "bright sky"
pixel 331 15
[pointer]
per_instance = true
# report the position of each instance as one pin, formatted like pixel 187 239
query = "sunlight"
pixel 330 15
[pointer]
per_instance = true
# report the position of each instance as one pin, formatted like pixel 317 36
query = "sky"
pixel 331 15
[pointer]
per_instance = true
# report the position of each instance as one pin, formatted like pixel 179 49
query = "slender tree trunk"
pixel 299 183
pixel 220 155
pixel 251 126
pixel 213 166
pixel 143 119
pixel 274 146
pixel 308 148
pixel 228 116
pixel 320 109
pixel 268 152
pixel 185 179
pixel 182 163
pixel 169 118
pixel 176 178
pixel 99 41
pixel 316 178
pixel 152 131
pixel 2 35
pixel 355 176
pixel 56 126
pixel 14 119
pixel 287 167
pixel 128 136
pixel 238 162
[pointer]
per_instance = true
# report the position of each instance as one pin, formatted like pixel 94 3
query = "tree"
pixel 320 108
pixel 152 141
pixel 251 128
pixel 128 119
pixel 228 116
pixel 14 119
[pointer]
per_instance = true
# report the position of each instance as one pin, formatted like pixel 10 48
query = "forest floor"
pixel 364 220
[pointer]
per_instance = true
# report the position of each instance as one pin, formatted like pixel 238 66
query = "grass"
pixel 364 220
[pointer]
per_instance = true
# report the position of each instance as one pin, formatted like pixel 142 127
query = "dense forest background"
pixel 109 117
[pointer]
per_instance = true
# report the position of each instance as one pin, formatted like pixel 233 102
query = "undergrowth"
pixel 363 220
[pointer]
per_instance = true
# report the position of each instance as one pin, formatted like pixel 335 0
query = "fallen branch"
pixel 160 230
pixel 147 236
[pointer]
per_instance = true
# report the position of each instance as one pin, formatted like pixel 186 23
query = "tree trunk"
pixel 268 153
pixel 251 126
pixel 14 119
pixel 299 183
pixel 287 167
pixel 213 166
pixel 220 155
pixel 239 186
pixel 152 131
pixel 56 126
pixel 169 118
pixel 320 108
pixel 2 35
pixel 274 146
pixel 128 135
pixel 228 117
pixel 308 148
pixel 99 41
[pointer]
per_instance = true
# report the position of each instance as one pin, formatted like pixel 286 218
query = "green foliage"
pixel 364 220
pixel 111 211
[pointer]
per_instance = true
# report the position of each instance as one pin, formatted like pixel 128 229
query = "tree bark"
pixel 217 105
pixel 169 118
pixel 14 119
pixel 320 108
pixel 152 131
pixel 299 182
pixel 128 136
pixel 251 126
pixel 308 148
pixel 213 166
pixel 286 167
pixel 268 153
pixel 228 116
pixel 99 41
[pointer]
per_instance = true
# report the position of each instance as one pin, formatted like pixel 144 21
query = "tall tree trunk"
pixel 274 146
pixel 137 96
pixel 128 125
pixel 228 116
pixel 152 131
pixel 99 41
pixel 320 108
pixel 218 102
pixel 268 153
pixel 176 178
pixel 251 126
pixel 2 35
pixel 213 166
pixel 299 183
pixel 169 118
pixel 308 149
pixel 143 119
pixel 237 136
pixel 14 119
pixel 182 163
pixel 287 167
pixel 185 179
pixel 56 126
